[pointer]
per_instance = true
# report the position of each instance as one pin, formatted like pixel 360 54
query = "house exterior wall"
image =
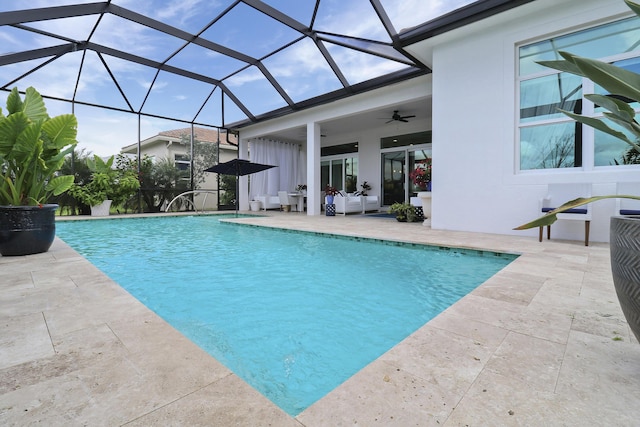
pixel 368 138
pixel 474 124
pixel 157 150
pixel 473 91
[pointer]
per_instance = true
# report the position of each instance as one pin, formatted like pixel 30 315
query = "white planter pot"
pixel 255 205
pixel 102 209
pixel 426 206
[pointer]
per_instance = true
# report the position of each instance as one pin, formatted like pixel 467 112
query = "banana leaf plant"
pixel 32 150
pixel 623 87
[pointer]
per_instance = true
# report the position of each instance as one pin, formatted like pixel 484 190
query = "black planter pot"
pixel 26 230
pixel 625 266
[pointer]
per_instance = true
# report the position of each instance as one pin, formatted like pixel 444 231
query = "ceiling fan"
pixel 397 117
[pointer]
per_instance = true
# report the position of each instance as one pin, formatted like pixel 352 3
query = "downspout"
pixel 192 164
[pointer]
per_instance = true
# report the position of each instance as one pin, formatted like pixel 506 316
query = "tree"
pixel 160 182
pixel 559 154
pixel 205 154
pixel 630 157
pixel 227 189
pixel 76 165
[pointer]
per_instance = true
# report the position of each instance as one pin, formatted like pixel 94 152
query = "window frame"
pixel 588 136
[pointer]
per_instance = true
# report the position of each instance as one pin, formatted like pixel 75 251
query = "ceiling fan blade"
pixel 408 117
pixel 389 121
pixel 403 120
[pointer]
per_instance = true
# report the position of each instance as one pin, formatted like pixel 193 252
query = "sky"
pixel 299 68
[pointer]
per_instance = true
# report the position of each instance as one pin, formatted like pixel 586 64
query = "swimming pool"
pixel 293 314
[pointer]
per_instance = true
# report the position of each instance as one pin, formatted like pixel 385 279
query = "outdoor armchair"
pixel 370 203
pixel 347 204
pixel 269 202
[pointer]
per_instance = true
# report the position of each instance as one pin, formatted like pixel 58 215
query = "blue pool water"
pixel 293 314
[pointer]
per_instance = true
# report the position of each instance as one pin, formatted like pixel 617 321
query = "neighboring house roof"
pixel 201 134
pixel 175 135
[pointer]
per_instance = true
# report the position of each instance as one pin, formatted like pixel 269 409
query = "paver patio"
pixel 543 342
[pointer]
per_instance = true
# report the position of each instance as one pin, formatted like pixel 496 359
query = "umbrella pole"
pixel 237 193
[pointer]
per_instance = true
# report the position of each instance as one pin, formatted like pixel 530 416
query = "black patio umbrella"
pixel 238 167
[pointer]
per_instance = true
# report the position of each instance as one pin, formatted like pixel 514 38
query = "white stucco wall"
pixel 369 147
pixel 476 187
pixel 368 138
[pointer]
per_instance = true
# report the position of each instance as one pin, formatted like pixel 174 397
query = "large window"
pixel 549 139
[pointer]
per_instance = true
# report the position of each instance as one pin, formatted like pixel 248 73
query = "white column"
pixel 313 169
pixel 243 188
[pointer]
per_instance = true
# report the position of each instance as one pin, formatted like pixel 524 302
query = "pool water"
pixel 293 314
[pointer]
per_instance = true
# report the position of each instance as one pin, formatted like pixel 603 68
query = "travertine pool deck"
pixel 542 343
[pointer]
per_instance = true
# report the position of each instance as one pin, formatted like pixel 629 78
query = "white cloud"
pixel 409 13
pixel 185 10
pixel 249 75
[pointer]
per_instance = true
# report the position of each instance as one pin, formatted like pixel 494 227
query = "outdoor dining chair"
pixel 557 194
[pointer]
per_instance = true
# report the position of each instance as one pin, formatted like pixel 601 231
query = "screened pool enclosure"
pixel 130 70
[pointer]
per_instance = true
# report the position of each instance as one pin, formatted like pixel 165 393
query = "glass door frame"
pixel 408 163
pixel 339 166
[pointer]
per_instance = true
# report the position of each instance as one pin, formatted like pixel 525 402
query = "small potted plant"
pixel 107 186
pixel 365 187
pixel 32 151
pixel 330 192
pixel 405 212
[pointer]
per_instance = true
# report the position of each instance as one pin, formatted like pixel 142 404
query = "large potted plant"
pixel 624 88
pixel 107 186
pixel 32 150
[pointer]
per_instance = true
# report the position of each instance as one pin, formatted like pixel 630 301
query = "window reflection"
pixel 550 139
pixel 551 146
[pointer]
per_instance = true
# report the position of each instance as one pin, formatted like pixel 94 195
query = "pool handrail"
pixel 181 195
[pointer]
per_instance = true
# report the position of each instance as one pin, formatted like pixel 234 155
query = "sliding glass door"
pixel 406 166
pixel 399 171
pixel 393 177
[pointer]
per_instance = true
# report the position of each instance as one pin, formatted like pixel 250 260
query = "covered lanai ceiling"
pixel 224 63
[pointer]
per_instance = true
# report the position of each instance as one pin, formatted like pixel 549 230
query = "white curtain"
pixel 290 170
